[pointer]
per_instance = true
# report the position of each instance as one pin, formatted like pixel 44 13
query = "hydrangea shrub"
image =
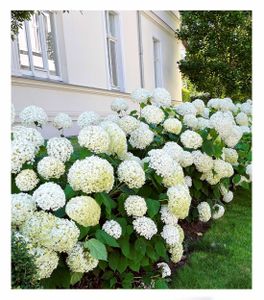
pixel 111 201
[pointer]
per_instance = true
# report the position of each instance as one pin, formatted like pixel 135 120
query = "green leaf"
pixel 105 238
pixel 127 280
pixel 83 231
pixel 236 179
pixel 97 249
pixel 160 248
pixel 140 246
pixel 75 277
pixel 134 265
pixel 208 148
pixel 107 201
pixel 197 184
pixel 69 192
pixel 112 282
pixel 125 246
pixel 122 264
pixel 113 260
pixel 60 213
pixel 161 284
pixel 153 207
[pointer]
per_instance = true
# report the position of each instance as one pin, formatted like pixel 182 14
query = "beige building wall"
pixel 83 60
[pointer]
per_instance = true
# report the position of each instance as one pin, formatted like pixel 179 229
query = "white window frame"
pixel 157 63
pixel 117 41
pixel 32 72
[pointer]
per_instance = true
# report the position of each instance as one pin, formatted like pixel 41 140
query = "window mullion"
pixel 43 44
pixel 29 46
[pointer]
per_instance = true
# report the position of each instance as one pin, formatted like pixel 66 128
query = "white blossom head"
pixel 62 121
pixel 119 105
pixel 145 227
pixel 140 95
pixel 88 118
pixel 135 206
pixel 172 125
pixel 26 180
pixel 23 207
pixel 33 115
pixel 60 148
pixel 50 167
pixel 204 211
pixel 161 97
pixel 131 173
pixel 112 228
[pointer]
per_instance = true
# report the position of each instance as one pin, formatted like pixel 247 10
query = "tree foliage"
pixel 17 19
pixel 218 56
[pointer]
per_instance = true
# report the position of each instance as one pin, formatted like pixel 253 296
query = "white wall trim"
pixel 45 84
pixel 156 19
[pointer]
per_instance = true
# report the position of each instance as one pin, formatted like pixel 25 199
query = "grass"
pixel 222 258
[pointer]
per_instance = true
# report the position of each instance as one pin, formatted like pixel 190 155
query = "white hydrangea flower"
pixel 119 105
pixel 176 252
pixel 141 137
pixel 179 200
pixel 60 148
pixel 46 261
pixel 113 228
pixel 181 233
pixel 188 181
pixel 186 108
pixel 152 114
pixel 88 118
pixel 50 167
pixel 118 142
pixel 26 180
pixel 128 124
pixel 245 129
pixel 95 138
pixel 249 171
pixel 206 113
pixel 21 152
pixel 131 156
pixel 84 210
pixel 49 195
pixel 230 155
pixel 33 115
pixel 13 114
pixel 203 123
pixel 211 177
pixel 228 197
pixel 140 95
pixel 165 269
pixel 199 105
pixel 161 97
pixel 186 159
pixel 100 177
pixel 161 162
pixel 131 173
pixel 223 168
pixel 62 121
pixel 174 178
pixel 63 235
pixel 233 136
pixel 23 207
pixel 172 125
pixel 112 118
pixel 170 234
pixel 225 104
pixel 145 227
pixel 246 107
pixel 222 122
pixel 204 211
pixel 166 216
pixel 203 162
pixel 242 119
pixel 218 211
pixel 191 121
pixel 173 150
pixel 135 206
pixel 80 260
pixel 30 135
pixel 191 139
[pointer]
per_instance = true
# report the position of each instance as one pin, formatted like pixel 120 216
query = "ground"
pixel 222 258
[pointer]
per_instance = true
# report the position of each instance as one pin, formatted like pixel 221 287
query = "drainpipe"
pixel 140 48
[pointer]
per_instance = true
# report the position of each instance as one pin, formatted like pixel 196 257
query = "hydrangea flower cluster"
pixel 140 95
pixel 135 206
pixel 100 177
pixel 161 97
pixel 113 228
pixel 119 105
pixel 145 227
pixel 191 139
pixel 165 269
pixel 204 211
pixel 50 167
pixel 33 115
pixel 170 234
pixel 62 121
pixel 95 138
pixel 131 173
pixel 26 180
pixel 128 124
pixel 88 118
pixel 172 125
pixel 141 137
pixel 23 206
pixel 29 135
pixel 84 210
pixel 152 114
pixel 60 148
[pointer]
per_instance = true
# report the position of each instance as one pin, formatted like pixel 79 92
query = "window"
pixel 36 48
pixel 114 50
pixel 157 63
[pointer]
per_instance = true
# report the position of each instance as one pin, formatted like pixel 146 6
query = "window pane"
pixel 113 61
pixel 23 49
pixel 112 28
pixel 50 42
pixel 157 65
pixel 35 43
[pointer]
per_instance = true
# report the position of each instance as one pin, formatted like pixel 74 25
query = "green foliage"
pixel 17 19
pixel 186 95
pixel 218 52
pixel 23 265
pixel 96 248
